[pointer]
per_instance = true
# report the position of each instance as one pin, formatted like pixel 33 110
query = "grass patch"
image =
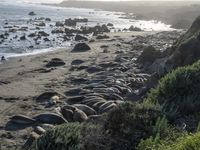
pixel 63 137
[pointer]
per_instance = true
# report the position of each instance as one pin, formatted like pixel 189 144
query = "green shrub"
pixel 178 91
pixel 63 137
pixel 189 142
pixel 163 134
pixel 128 123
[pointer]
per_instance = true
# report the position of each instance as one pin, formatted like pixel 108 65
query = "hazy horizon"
pixel 58 1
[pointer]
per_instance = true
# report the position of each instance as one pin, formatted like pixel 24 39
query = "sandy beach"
pixel 22 79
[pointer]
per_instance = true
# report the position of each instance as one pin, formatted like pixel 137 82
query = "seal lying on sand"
pixel 21 119
pixel 86 109
pixel 79 116
pixel 50 118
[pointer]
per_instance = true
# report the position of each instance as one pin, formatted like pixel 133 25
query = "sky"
pixel 58 1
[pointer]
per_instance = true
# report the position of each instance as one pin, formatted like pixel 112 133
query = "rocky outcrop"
pixel 80 38
pixel 132 28
pixel 32 13
pixel 185 51
pixel 55 62
pixel 96 30
pixel 81 47
pixel 149 55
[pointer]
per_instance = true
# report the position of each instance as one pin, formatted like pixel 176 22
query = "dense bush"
pixel 63 137
pixel 128 123
pixel 163 134
pixel 185 142
pixel 178 91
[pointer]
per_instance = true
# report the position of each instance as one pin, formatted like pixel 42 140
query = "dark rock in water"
pixel 42 33
pixel 46 39
pixel 55 62
pixel 46 96
pixel 23 120
pixel 56 31
pixel 2 36
pixel 70 22
pixel 48 19
pixel 149 55
pixel 80 38
pixel 59 24
pixel 92 40
pixel 96 30
pixel 132 28
pixel 102 37
pixel 32 35
pixel 32 13
pixel 81 47
pixel 77 62
pixel 50 118
pixel 41 24
pixel 110 25
pixel 23 37
pixel 81 20
pixel 71 31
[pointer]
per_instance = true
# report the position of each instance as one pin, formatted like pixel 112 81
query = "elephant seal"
pixel 67 114
pixel 97 105
pixel 69 107
pixel 33 136
pixel 79 116
pixel 21 119
pixel 106 104
pixel 50 118
pixel 39 130
pixel 75 99
pixel 86 109
pixel 108 108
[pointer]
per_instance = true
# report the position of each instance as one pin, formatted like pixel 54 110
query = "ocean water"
pixel 16 15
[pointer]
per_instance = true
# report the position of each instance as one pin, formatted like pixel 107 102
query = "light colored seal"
pixel 79 116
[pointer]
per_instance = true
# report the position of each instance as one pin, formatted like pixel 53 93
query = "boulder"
pixel 55 62
pixel 102 37
pixel 132 28
pixel 59 24
pixel 77 62
pixel 23 37
pixel 41 24
pixel 186 50
pixel 70 22
pixel 149 55
pixel 42 33
pixel 32 13
pixel 80 38
pixel 47 19
pixel 110 25
pixel 81 47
